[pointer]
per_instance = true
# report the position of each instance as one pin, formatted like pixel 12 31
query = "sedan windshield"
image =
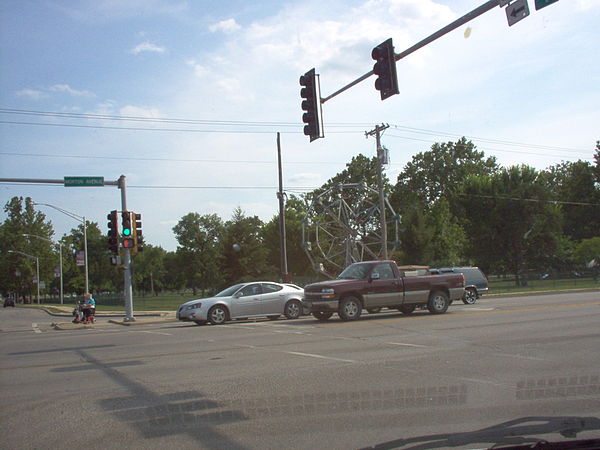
pixel 229 291
pixel 354 272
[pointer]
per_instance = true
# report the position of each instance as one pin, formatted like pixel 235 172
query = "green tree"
pixel 149 270
pixel 448 237
pixel 199 250
pixel 436 173
pixel 298 263
pixel 101 274
pixel 416 236
pixel 577 184
pixel 17 271
pixel 513 226
pixel 587 252
pixel 244 255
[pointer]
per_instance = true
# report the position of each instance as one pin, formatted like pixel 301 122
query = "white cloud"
pixel 69 90
pixel 226 26
pixel 32 94
pixel 199 70
pixel 306 179
pixel 147 47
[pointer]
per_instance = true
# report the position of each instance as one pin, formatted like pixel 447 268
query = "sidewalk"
pixel 114 317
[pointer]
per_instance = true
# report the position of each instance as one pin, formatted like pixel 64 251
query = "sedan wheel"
pixel 293 309
pixel 217 315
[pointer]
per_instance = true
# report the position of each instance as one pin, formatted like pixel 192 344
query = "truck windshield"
pixel 354 272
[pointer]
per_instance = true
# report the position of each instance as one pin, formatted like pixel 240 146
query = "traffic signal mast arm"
pixel 447 29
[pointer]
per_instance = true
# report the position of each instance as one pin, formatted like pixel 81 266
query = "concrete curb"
pixel 81 326
pixel 527 293
pixel 143 321
pixel 106 314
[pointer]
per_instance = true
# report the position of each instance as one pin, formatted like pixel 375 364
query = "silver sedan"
pixel 244 300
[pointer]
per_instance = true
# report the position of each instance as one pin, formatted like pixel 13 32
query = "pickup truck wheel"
pixel 373 310
pixel 350 308
pixel 470 296
pixel 438 302
pixel 292 309
pixel 407 309
pixel 322 316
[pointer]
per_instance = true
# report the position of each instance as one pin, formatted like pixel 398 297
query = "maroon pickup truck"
pixel 373 285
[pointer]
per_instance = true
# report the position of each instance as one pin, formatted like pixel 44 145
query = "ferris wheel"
pixel 343 226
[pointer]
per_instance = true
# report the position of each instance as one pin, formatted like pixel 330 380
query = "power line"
pixel 492 150
pixel 140 158
pixel 291 189
pixel 534 200
pixel 188 121
pixel 90 116
pixel 488 140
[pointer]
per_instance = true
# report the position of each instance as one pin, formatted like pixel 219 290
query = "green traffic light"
pixel 126 232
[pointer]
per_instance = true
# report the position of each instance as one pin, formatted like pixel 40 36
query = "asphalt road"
pixel 479 374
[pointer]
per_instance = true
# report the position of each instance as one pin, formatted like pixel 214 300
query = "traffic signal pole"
pixel 127 284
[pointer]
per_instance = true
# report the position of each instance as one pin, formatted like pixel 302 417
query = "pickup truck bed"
pixel 372 285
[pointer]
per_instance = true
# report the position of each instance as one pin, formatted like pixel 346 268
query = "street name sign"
pixel 84 181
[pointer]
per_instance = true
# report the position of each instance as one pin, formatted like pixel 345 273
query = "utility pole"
pixel 127 288
pixel 380 158
pixel 282 238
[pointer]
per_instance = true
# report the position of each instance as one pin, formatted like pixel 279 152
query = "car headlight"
pixel 327 293
pixel 193 306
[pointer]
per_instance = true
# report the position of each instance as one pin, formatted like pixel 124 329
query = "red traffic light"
pixel 311 105
pixel 385 69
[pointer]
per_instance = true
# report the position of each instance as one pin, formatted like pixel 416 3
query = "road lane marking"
pixel 35 328
pixel 152 332
pixel 310 355
pixel 532 358
pixel 404 344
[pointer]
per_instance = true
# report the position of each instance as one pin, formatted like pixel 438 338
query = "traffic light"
pixel 539 4
pixel 138 240
pixel 127 232
pixel 311 105
pixel 385 69
pixel 113 232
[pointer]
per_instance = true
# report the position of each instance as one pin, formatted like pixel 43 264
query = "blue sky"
pixel 527 94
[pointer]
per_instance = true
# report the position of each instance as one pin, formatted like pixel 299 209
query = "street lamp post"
pixel 60 260
pixel 85 249
pixel 37 270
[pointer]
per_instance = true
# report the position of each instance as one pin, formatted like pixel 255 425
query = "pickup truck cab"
pixel 372 285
